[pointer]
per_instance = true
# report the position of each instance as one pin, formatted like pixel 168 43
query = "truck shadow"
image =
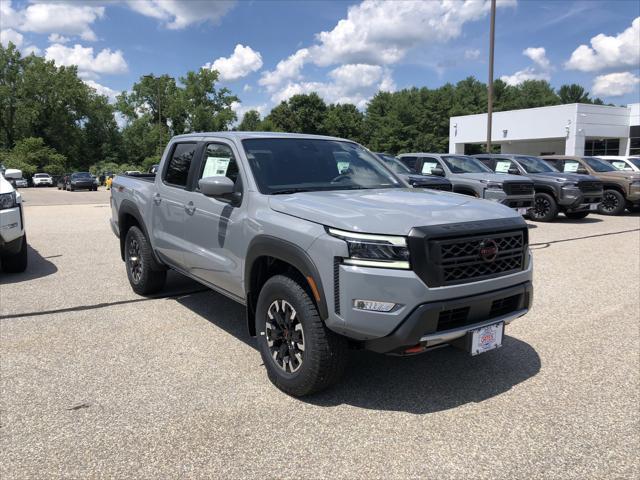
pixel 432 382
pixel 37 267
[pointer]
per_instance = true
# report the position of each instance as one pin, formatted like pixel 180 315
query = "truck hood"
pixel 424 179
pixel 387 211
pixel 619 175
pixel 494 177
pixel 562 177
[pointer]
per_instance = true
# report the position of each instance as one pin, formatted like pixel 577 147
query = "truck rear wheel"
pixel 16 262
pixel 145 275
pixel 545 208
pixel 613 203
pixel 301 355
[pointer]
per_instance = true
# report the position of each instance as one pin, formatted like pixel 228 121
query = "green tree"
pixel 31 155
pixel 573 94
pixel 206 108
pixel 11 74
pixel 302 113
pixel 250 122
pixel 344 120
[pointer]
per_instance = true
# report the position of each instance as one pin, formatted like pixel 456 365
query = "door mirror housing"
pixel 582 171
pixel 215 187
pixel 437 171
pixel 12 173
pixel 513 171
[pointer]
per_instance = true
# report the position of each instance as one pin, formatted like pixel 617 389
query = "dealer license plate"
pixel 522 211
pixel 486 338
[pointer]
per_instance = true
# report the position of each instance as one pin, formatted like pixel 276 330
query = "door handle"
pixel 190 208
pixel 157 199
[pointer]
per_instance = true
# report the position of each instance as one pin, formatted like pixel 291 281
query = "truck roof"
pixel 245 135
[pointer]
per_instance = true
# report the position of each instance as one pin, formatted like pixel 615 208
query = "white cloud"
pixel 89 66
pixel 605 52
pixel 240 63
pixel 9 18
pixel 60 18
pixel 472 54
pixel 614 84
pixel 382 32
pixel 57 38
pixel 178 14
pixel 31 49
pixel 523 75
pixel 539 56
pixel 9 35
pixel 287 69
pixel 247 88
pixel 110 93
pixel 351 83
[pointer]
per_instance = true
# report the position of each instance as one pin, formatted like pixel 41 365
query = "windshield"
pixel 394 164
pixel 635 161
pixel 41 175
pixel 81 175
pixel 535 165
pixel 460 164
pixel 599 165
pixel 289 165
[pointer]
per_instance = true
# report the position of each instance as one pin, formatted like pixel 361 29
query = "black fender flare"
pixel 465 191
pixel 127 207
pixel 267 245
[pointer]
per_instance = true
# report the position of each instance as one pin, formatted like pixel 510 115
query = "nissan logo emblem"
pixel 488 250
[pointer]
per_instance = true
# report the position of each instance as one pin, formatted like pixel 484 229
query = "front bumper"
pixel 84 185
pixel 634 194
pixel 511 201
pixel 437 323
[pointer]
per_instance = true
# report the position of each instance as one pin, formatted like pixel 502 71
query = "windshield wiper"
pixel 286 191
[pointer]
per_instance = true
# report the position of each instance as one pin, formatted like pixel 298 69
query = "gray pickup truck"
pixel 572 194
pixel 470 177
pixel 326 247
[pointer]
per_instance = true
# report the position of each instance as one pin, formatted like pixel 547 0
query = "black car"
pixel 81 181
pixel 572 194
pixel 416 180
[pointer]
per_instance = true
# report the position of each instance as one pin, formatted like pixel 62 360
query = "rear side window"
pixel 409 162
pixel 177 170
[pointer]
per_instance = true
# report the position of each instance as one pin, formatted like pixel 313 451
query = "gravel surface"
pixel 96 382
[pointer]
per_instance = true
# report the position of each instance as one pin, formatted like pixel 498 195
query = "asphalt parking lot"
pixel 98 382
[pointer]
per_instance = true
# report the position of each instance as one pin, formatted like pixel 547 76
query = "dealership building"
pixel 573 129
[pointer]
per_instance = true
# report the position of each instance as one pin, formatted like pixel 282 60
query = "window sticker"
pixel 502 166
pixel 215 167
pixel 343 167
pixel 620 165
pixel 570 167
pixel 428 166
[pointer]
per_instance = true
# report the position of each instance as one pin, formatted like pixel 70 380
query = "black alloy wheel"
pixel 612 203
pixel 285 336
pixel 544 208
pixel 134 260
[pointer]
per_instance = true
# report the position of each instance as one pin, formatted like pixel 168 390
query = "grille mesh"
pixel 518 188
pixel 590 186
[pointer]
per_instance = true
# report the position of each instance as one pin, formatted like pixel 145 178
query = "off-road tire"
pixel 576 215
pixel 325 352
pixel 613 203
pixel 545 208
pixel 151 277
pixel 16 262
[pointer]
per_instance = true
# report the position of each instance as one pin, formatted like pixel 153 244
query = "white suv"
pixel 42 180
pixel 13 238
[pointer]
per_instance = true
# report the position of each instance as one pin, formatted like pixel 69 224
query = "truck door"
pixel 214 226
pixel 169 202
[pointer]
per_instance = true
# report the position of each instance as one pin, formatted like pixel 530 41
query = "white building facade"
pixel 573 129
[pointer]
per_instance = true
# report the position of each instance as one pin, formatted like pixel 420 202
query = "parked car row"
pixel 78 181
pixel 538 187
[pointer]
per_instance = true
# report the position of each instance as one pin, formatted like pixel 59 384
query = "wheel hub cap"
pixel 285 336
pixel 134 260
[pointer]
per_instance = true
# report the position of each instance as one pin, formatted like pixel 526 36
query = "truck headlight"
pixel 8 200
pixel 570 190
pixel 367 250
pixel 492 185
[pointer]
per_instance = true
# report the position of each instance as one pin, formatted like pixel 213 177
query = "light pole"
pixel 492 35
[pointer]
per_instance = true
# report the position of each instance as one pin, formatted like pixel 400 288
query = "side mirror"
pixel 12 173
pixel 437 171
pixel 582 171
pixel 218 186
pixel 513 171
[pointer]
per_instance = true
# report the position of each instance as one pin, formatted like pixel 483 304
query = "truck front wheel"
pixel 545 208
pixel 16 262
pixel 613 203
pixel 145 275
pixel 300 354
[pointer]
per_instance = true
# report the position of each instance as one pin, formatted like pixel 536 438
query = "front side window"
pixel 635 161
pixel 287 165
pixel 219 160
pixel 599 165
pixel 571 166
pixel 428 164
pixel 503 165
pixel 460 164
pixel 177 170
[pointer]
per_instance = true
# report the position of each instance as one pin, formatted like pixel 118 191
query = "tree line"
pixel 52 121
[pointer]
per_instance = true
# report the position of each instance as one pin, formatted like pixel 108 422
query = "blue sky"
pixel 365 46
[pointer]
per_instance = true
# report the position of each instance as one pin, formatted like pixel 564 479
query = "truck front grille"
pixel 518 188
pixel 590 187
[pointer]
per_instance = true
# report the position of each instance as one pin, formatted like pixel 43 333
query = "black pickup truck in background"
pixel 415 179
pixel 555 192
